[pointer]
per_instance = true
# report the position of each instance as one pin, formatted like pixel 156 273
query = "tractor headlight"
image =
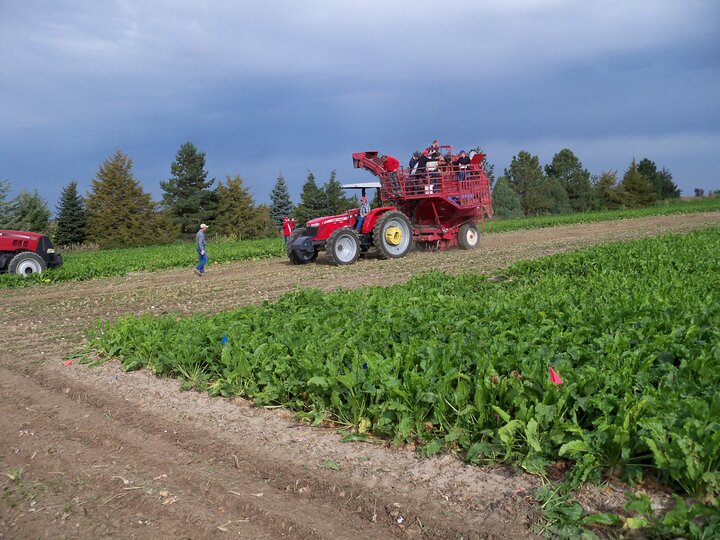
pixel 51 250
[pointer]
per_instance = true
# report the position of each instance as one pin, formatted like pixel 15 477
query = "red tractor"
pixel 437 206
pixel 26 253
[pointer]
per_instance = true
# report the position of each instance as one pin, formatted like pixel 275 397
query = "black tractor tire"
pixel 392 235
pixel 26 263
pixel 343 246
pixel 295 258
pixel 468 236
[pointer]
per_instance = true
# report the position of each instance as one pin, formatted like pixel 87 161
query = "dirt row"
pixel 96 452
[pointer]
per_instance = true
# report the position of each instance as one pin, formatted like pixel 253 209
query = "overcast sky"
pixel 269 87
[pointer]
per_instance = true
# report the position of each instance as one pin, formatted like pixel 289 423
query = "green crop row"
pixel 86 265
pixel 711 204
pixel 462 363
pixel 82 266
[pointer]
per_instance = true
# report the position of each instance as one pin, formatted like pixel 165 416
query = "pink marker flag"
pixel 554 377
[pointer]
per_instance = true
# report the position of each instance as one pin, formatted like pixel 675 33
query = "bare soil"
pixel 97 452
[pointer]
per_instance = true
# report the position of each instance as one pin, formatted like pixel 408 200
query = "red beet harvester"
pixel 437 208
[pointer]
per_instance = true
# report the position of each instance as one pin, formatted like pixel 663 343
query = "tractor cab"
pixel 363 187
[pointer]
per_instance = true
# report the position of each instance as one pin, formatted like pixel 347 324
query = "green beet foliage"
pixel 85 265
pixel 82 266
pixel 461 363
pixel 663 208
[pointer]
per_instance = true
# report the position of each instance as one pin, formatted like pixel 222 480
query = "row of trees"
pixel 118 212
pixel 565 186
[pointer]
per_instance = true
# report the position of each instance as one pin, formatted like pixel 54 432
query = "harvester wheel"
pixel 343 246
pixel 392 235
pixel 26 263
pixel 295 256
pixel 468 236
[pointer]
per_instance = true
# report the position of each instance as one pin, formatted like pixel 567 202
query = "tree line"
pixel 117 212
pixel 564 186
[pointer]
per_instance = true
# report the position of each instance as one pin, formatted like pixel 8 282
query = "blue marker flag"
pixel 224 340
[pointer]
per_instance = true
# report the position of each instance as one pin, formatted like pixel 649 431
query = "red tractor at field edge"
pixel 26 253
pixel 436 208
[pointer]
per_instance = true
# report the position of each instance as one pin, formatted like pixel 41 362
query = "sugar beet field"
pixel 85 265
pixel 554 382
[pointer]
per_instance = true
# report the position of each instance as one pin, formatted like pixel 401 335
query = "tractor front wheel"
pixel 343 246
pixel 392 235
pixel 468 236
pixel 26 263
pixel 297 256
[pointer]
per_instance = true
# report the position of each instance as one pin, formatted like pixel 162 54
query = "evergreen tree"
pixel 661 181
pixel 526 179
pixel 164 229
pixel 119 213
pixel 335 200
pixel 187 193
pixel 280 203
pixel 568 169
pixel 558 195
pixel 595 202
pixel 29 212
pixel 264 224
pixel 607 192
pixel 312 201
pixel 635 190
pixel 505 201
pixel 71 217
pixel 649 170
pixel 354 200
pixel 668 188
pixel 4 205
pixel 237 214
pixel 547 196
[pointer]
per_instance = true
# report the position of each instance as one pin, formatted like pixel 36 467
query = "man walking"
pixel 200 247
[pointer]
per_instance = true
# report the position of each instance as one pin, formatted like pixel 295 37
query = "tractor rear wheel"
pixel 392 235
pixel 343 246
pixel 298 257
pixel 468 236
pixel 26 263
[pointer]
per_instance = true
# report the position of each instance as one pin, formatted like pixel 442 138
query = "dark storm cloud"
pixel 279 86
